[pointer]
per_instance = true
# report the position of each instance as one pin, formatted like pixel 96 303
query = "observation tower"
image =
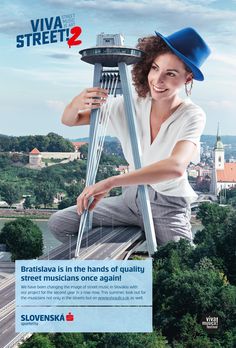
pixel 110 59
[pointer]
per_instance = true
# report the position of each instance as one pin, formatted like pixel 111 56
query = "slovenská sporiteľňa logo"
pixel 36 318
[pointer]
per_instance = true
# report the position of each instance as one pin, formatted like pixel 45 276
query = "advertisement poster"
pixel 156 266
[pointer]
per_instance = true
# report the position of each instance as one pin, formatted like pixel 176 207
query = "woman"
pixel 169 130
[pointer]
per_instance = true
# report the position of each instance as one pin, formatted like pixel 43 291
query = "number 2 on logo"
pixel 75 31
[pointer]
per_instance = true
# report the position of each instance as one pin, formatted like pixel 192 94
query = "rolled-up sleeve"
pixel 192 130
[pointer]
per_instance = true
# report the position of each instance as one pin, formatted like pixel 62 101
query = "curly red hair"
pixel 152 46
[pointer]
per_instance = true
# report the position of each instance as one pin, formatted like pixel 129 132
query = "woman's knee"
pixel 63 223
pixel 167 231
pixel 55 226
pixel 53 221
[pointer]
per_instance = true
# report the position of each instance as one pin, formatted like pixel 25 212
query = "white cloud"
pixel 66 77
pixel 56 105
pixel 13 18
pixel 61 55
pixel 167 16
pixel 222 104
pixel 199 10
pixel 228 59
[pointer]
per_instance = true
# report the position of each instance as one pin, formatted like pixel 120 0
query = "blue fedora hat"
pixel 189 46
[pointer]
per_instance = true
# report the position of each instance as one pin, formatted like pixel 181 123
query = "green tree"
pixel 73 191
pixel 38 341
pixel 105 171
pixel 10 193
pixel 83 151
pixel 58 144
pixel 51 142
pixel 112 146
pixel 41 142
pixel 51 175
pixel 112 159
pixel 217 240
pixel 23 238
pixel 68 340
pixel 197 342
pixel 5 142
pixel 230 193
pixel 232 201
pixel 184 292
pixel 66 202
pixel 4 161
pixel 129 340
pixel 45 193
pixel 28 202
pixel 212 213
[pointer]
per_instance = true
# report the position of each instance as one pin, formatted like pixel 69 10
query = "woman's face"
pixel 166 76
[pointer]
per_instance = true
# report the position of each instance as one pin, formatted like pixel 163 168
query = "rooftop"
pixel 35 151
pixel 228 174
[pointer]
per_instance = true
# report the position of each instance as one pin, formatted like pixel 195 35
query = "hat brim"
pixel 197 74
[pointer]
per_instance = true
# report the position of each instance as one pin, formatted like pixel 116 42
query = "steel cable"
pixel 109 82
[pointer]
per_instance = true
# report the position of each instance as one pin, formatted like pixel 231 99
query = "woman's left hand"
pixel 97 191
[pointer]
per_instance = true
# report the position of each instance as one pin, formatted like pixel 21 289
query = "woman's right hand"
pixel 90 98
pixel 77 113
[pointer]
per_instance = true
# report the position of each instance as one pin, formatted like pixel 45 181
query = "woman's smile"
pixel 158 89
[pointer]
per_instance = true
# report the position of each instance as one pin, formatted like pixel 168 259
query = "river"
pixel 50 242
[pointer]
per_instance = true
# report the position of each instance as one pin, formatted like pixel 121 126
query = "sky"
pixel 37 82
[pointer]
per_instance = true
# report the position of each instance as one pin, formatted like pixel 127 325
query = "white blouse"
pixel 186 123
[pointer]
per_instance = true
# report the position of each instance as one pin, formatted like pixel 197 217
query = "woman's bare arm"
pixel 167 169
pixel 77 112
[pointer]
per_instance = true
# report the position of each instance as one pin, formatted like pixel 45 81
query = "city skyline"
pixel 40 80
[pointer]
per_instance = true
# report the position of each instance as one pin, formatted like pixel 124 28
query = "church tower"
pixel 218 162
pixel 219 154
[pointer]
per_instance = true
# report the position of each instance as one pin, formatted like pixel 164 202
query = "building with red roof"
pixel 35 151
pixel 228 174
pixel 35 157
pixel 223 174
pixel 78 144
